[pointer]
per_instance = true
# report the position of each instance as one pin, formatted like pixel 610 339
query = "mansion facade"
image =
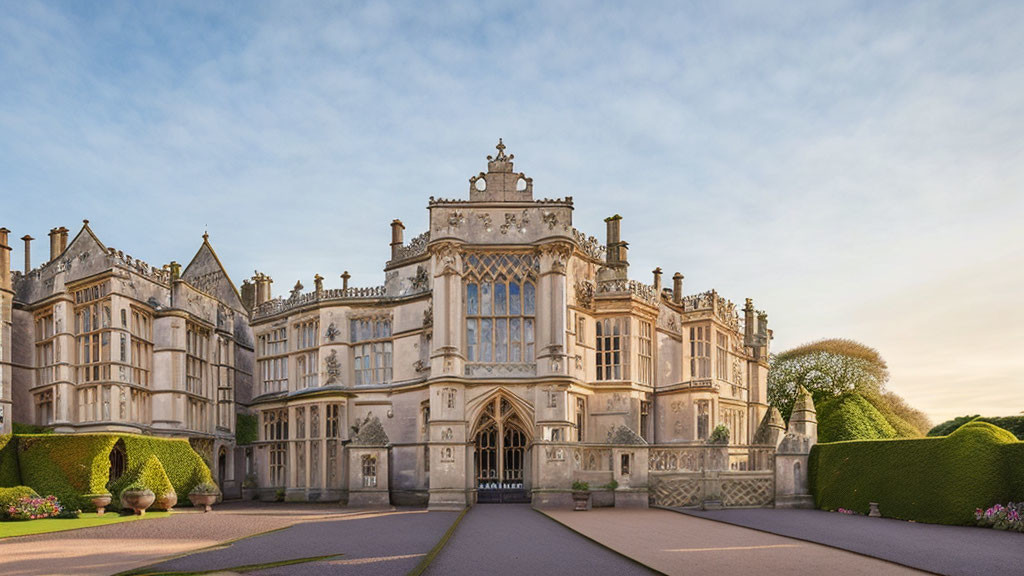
pixel 94 340
pixel 506 355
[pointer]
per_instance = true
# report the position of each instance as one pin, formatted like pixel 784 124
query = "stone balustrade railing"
pixel 640 290
pixel 279 305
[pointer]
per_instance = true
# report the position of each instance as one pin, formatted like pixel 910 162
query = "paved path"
pixel 515 539
pixel 678 544
pixel 105 550
pixel 953 550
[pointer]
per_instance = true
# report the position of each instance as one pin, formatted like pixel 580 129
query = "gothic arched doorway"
pixel 501 444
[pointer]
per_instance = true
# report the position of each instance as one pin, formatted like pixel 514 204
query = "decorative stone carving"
pixel 500 370
pixel 624 435
pixel 447 434
pixel 447 257
pixel 485 219
pixel 555 454
pixel 369 432
pixel 428 316
pixel 511 222
pixel 333 367
pixel 332 332
pixel 551 219
pixel 590 246
pixel 455 218
pixel 421 281
pixel 617 402
pixel 584 293
pixel 559 253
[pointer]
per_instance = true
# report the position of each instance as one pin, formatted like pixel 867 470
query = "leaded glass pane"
pixel 471 339
pixel 528 299
pixel 500 300
pixel 472 301
pixel 501 340
pixel 485 339
pixel 514 305
pixel 485 299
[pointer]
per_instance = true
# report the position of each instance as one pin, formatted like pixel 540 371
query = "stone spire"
pixel 804 419
pixel 771 428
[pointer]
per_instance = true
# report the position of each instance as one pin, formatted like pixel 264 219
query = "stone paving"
pixel 515 539
pixel 374 542
pixel 952 550
pixel 675 543
pixel 105 550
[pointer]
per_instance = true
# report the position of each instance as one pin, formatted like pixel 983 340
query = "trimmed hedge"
pixel 10 473
pixel 1012 424
pixel 939 480
pixel 9 496
pixel 184 466
pixel 151 475
pixel 851 417
pixel 71 465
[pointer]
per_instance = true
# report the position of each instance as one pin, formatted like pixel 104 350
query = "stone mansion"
pixel 506 355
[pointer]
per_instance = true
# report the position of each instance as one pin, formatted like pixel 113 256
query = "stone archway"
pixel 501 439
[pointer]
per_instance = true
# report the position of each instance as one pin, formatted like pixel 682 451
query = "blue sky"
pixel 855 168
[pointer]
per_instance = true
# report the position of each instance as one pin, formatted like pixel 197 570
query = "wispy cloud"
pixel 855 168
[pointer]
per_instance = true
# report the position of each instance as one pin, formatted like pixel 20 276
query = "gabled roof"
pixel 206 273
pixel 88 234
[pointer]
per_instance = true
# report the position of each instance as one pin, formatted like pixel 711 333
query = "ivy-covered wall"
pixel 939 480
pixel 69 466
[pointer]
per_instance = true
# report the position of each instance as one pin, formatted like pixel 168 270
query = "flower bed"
pixel 1009 517
pixel 34 508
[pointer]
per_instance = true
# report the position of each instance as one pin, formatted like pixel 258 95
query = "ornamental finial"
pixel 501 153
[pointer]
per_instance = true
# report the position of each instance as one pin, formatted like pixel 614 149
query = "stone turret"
pixel 771 429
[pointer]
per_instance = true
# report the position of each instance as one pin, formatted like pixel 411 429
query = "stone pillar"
pixel 629 469
pixel 5 263
pixel 6 327
pixel 657 281
pixel 677 288
pixel 344 279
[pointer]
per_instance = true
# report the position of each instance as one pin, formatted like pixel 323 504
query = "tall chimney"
pixel 28 252
pixel 748 323
pixel 62 236
pixel 657 282
pixel 396 237
pixel 612 238
pixel 677 288
pixel 248 294
pixel 54 243
pixel 5 260
pixel 263 283
pixel 344 280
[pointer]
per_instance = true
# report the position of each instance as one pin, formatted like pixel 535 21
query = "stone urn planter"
pixel 137 500
pixel 100 502
pixel 204 496
pixel 166 501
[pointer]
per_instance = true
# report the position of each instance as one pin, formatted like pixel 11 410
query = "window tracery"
pixel 500 308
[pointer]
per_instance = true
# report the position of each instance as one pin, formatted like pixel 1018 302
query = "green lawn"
pixel 26 527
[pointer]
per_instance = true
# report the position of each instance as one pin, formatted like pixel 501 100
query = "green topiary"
pixel 850 417
pixel 10 474
pixel 940 480
pixel 1012 424
pixel 150 475
pixel 184 467
pixel 66 466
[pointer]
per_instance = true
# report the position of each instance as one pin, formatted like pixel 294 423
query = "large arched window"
pixel 500 320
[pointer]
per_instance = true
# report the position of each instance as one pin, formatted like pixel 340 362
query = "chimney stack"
pixel 677 288
pixel 28 252
pixel 616 248
pixel 248 294
pixel 397 229
pixel 263 283
pixel 54 243
pixel 318 283
pixel 5 260
pixel 657 282
pixel 344 280
pixel 748 323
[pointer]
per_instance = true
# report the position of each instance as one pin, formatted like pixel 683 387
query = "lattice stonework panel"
pixel 747 492
pixel 676 492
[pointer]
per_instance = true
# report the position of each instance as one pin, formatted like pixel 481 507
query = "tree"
pixel 827 368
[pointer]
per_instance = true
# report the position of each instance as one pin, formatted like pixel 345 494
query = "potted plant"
pixel 166 501
pixel 249 487
pixel 100 502
pixel 204 494
pixel 580 495
pixel 137 497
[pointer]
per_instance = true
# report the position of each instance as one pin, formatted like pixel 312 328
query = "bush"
pixel 578 486
pixel 720 435
pixel 940 480
pixel 10 496
pixel 19 428
pixel 183 465
pixel 1009 517
pixel 151 476
pixel 851 417
pixel 1012 424
pixel 34 508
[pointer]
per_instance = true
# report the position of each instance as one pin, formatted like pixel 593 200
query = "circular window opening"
pixel 521 185
pixel 480 184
